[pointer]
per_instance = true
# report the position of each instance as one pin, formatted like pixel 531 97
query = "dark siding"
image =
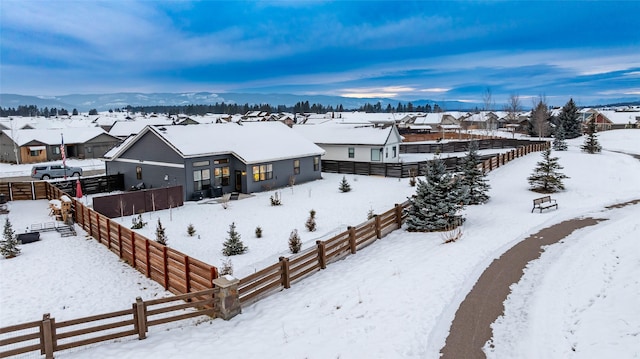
pixel 152 148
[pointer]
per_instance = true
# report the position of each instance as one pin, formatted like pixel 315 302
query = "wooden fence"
pixel 182 274
pixel 48 336
pixel 32 190
pixel 406 169
pixel 176 271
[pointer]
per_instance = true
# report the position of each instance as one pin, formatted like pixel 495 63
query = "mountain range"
pixel 104 102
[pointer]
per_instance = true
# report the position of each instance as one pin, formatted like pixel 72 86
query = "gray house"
pixel 212 159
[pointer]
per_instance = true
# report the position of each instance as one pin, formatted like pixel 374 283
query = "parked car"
pixel 54 171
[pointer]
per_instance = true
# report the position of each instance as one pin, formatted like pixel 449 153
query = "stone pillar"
pixel 227 297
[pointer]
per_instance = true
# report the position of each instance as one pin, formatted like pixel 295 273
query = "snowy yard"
pixel 393 299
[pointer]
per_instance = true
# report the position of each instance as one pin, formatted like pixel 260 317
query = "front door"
pixel 238 181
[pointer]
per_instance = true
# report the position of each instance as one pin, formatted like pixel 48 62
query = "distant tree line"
pixel 227 108
pixel 33 111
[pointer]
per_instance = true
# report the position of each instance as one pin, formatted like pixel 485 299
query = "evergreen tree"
pixel 294 242
pixel 9 244
pixel 233 245
pixel 344 185
pixel 472 177
pixel 437 202
pixel 74 112
pixel 569 118
pixel 191 230
pixel 591 144
pixel 559 143
pixel 93 112
pixel 311 221
pixel 545 177
pixel 161 236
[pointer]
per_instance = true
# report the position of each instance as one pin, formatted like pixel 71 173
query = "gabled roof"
pixel 250 142
pixel 54 137
pixel 336 134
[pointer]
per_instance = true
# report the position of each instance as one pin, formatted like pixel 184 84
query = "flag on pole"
pixel 64 157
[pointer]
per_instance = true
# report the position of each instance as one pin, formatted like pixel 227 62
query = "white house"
pixel 358 143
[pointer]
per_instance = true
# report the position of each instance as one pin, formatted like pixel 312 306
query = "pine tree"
pixel 258 232
pixel 545 177
pixel 569 118
pixel 233 245
pixel 472 177
pixel 191 230
pixel 437 202
pixel 344 185
pixel 311 221
pixel 9 244
pixel 559 143
pixel 591 144
pixel 161 236
pixel 294 242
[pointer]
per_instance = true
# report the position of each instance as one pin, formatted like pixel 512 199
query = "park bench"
pixel 544 203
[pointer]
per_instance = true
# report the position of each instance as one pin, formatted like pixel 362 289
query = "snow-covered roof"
pixel 621 117
pixel 53 137
pixel 337 134
pixel 126 128
pixel 251 142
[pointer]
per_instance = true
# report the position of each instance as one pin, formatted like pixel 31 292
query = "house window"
pixel 296 167
pixel 394 152
pixel 375 154
pixel 56 150
pixel 34 153
pixel 138 172
pixel 201 179
pixel 221 161
pixel 88 149
pixel 386 153
pixel 316 163
pixel 262 173
pixel 352 152
pixel 200 163
pixel 221 176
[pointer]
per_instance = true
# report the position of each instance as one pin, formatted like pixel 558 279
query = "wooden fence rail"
pixel 49 336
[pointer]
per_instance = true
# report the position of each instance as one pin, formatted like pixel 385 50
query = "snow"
pixel 393 299
pixel 252 142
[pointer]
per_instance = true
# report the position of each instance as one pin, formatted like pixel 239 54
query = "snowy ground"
pixel 394 299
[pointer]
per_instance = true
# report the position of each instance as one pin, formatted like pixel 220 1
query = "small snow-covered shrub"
pixel 294 242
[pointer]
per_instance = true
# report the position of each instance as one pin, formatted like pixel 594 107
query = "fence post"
pixel 187 275
pixel 284 264
pixel 98 226
pixel 377 221
pixel 140 318
pixel 165 259
pixel 120 240
pixel 226 297
pixel 133 248
pixel 398 211
pixel 108 233
pixel 148 257
pixel 322 254
pixel 48 333
pixel 352 239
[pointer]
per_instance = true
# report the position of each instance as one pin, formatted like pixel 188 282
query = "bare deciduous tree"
pixel 513 108
pixel 540 117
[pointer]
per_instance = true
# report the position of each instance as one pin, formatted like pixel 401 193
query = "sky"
pixel 393 299
pixel 404 50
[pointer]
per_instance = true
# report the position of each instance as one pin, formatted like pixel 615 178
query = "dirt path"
pixel 471 327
